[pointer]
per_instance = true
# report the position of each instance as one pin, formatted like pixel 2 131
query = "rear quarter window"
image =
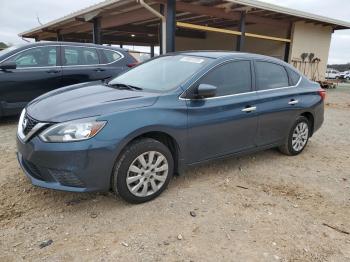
pixel 294 76
pixel 110 56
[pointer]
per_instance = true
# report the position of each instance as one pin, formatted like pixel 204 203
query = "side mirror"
pixel 205 91
pixel 8 66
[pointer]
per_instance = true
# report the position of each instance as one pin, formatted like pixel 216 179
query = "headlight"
pixel 73 131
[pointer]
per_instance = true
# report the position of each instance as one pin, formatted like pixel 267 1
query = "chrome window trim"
pixel 20 133
pixel 233 95
pixel 217 97
pixel 63 66
pixel 39 67
pixel 279 88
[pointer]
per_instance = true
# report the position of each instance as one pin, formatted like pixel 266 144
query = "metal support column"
pixel 287 47
pixel 152 50
pixel 170 25
pixel 59 36
pixel 241 38
pixel 160 32
pixel 96 31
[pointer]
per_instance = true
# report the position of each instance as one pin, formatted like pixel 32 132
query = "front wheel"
pixel 298 137
pixel 143 170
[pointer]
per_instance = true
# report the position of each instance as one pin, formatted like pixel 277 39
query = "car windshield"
pixel 161 74
pixel 8 49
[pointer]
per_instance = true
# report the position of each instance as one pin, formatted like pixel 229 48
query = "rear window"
pixel 270 75
pixel 110 56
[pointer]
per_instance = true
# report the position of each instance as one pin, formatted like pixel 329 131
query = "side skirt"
pixel 240 153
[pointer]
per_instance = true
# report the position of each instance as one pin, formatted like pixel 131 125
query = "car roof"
pixel 224 55
pixel 69 43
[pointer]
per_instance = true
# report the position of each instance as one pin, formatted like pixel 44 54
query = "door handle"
pixel 53 71
pixel 293 102
pixel 249 109
pixel 99 69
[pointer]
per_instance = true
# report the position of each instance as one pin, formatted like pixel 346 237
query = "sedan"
pixel 133 133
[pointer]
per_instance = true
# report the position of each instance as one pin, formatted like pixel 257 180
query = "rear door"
pixel 37 72
pixel 80 64
pixel 278 103
pixel 226 123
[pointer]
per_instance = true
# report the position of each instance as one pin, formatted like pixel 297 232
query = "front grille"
pixel 28 124
pixel 66 178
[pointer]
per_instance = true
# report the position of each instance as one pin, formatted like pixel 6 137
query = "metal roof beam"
pixel 220 13
pixel 113 21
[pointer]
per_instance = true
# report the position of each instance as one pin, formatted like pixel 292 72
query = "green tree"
pixel 3 45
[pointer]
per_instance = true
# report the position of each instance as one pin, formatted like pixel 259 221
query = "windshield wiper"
pixel 123 86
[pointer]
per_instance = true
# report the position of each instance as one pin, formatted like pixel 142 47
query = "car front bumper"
pixel 77 167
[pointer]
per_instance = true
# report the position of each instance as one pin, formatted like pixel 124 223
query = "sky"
pixel 17 16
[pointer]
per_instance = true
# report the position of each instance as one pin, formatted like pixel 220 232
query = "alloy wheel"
pixel 147 173
pixel 300 136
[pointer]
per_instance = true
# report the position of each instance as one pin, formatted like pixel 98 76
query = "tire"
pixel 139 166
pixel 293 148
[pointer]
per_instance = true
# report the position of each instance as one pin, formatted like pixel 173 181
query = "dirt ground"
pixel 262 207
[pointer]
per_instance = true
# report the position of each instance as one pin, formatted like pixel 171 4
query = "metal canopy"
pixel 127 22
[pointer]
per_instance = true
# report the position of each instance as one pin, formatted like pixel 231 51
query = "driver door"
pixel 226 123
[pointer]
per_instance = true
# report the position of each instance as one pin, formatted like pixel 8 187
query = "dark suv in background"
pixel 31 70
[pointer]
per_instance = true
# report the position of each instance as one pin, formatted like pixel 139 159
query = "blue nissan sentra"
pixel 131 134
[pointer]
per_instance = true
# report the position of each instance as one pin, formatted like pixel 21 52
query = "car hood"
pixel 86 100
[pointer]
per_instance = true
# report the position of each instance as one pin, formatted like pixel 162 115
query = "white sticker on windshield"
pixel 192 60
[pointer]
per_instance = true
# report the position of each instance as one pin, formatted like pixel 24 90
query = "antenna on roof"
pixel 37 18
pixel 25 40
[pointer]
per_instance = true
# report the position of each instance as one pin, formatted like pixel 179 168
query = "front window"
pixel 231 78
pixel 162 74
pixel 35 57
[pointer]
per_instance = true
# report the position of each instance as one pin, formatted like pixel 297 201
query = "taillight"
pixel 132 64
pixel 322 93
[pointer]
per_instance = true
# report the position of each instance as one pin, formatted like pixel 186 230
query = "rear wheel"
pixel 143 171
pixel 298 137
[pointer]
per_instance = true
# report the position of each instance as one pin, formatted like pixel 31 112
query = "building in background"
pixel 300 38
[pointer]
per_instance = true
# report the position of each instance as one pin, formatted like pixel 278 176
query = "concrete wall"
pixel 310 38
